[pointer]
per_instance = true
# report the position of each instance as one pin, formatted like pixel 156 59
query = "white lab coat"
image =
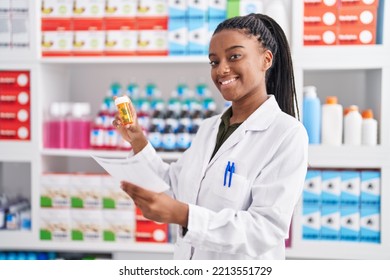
pixel 249 220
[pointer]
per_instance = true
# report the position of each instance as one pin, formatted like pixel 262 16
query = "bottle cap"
pixel 81 109
pixel 367 114
pixel 352 108
pixel 121 99
pixel 331 100
pixel 310 91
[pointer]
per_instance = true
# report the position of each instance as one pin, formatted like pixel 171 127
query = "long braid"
pixel 280 77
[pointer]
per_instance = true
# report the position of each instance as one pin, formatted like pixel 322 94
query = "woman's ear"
pixel 267 59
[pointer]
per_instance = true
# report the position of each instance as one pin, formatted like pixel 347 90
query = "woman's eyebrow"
pixel 228 49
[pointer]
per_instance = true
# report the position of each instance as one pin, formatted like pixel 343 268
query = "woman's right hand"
pixel 132 133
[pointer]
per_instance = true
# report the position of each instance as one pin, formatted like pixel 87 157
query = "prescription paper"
pixel 133 171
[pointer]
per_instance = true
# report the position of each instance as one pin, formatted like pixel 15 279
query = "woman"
pixel 236 187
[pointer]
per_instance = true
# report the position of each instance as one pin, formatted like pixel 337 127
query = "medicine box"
pixel 312 187
pixel 370 229
pixel 177 37
pixel 198 9
pixel 55 190
pixel 56 9
pixel 330 222
pixel 331 187
pixel 177 9
pixel 217 9
pixel 86 225
pixel 370 188
pixel 197 36
pixel 126 9
pixel 350 223
pixel 118 226
pixel 311 222
pixel 350 187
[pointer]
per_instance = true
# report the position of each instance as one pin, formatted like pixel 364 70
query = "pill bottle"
pixel 332 122
pixel 353 126
pixel 369 128
pixel 123 105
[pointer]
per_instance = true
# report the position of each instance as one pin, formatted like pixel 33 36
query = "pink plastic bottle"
pixel 54 127
pixel 79 126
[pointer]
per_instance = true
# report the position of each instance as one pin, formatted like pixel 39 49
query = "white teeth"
pixel 228 81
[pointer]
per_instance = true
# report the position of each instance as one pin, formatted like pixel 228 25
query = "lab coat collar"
pixel 262 118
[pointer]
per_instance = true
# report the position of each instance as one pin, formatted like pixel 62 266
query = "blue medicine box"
pixel 177 37
pixel 330 222
pixel 311 222
pixel 312 187
pixel 331 187
pixel 370 230
pixel 370 187
pixel 350 187
pixel 350 223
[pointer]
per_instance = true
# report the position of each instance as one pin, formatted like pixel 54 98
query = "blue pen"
pixel 227 169
pixel 232 169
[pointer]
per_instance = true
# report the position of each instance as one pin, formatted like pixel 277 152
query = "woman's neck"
pixel 242 111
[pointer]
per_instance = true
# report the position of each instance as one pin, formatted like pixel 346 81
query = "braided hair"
pixel 280 76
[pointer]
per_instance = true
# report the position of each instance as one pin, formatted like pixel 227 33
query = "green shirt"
pixel 224 130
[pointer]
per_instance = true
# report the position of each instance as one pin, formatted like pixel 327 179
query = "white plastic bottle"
pixel 332 122
pixel 353 126
pixel 369 128
pixel 276 9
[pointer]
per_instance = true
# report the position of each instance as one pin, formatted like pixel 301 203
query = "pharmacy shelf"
pixel 337 250
pixel 124 59
pixel 24 240
pixel 16 151
pixel 321 156
pixel 342 57
pixel 167 156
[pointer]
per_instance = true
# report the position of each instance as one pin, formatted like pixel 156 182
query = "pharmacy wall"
pixel 62 62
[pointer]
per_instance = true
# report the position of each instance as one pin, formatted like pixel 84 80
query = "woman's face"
pixel 238 66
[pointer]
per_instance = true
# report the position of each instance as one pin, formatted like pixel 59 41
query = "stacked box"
pixel 150 231
pixel 15 110
pixel 341 22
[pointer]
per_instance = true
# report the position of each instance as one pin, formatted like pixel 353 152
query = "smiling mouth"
pixel 227 81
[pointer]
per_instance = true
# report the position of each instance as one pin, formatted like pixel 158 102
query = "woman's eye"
pixel 234 56
pixel 213 63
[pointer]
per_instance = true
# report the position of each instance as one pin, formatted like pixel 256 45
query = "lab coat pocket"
pixel 237 189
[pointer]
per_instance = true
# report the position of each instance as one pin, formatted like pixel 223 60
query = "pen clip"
pixel 227 169
pixel 232 170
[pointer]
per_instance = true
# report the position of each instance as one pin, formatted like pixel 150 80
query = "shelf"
pixel 124 59
pixel 341 57
pixel 168 156
pixel 16 151
pixel 19 240
pixel 342 156
pixel 337 250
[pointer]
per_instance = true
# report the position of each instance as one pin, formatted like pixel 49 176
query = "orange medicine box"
pixel 149 231
pixel 366 3
pixel 321 3
pixel 358 16
pixel 320 36
pixel 356 35
pixel 314 16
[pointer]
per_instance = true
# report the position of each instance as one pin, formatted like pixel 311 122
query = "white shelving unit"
pixel 357 74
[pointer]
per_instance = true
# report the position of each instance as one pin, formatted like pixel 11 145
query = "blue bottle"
pixel 312 114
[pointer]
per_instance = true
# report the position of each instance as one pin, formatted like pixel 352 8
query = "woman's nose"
pixel 223 68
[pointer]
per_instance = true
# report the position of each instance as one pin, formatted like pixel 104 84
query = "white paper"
pixel 133 171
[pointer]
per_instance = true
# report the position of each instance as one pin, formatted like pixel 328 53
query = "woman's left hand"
pixel 158 207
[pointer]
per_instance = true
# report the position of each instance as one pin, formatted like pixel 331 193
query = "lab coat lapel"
pixel 236 137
